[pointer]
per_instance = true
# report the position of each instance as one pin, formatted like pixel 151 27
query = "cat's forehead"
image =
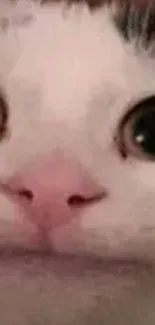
pixel 135 20
pixel 84 39
pixel 74 58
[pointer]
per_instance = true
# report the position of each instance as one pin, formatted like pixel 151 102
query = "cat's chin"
pixel 75 264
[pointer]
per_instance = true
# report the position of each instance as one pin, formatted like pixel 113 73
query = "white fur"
pixel 69 78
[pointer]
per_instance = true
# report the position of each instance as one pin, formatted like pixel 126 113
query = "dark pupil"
pixel 144 132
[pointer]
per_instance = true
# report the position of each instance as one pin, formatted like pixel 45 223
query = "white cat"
pixel 77 163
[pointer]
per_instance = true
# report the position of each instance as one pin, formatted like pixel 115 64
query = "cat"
pixel 77 162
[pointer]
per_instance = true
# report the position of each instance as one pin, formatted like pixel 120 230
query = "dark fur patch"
pixel 137 23
pixel 98 3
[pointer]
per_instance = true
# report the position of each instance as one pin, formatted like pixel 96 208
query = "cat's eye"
pixel 3 117
pixel 137 130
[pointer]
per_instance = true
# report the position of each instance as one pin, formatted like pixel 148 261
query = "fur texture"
pixel 68 77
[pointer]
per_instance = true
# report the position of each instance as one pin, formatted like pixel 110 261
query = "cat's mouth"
pixel 75 264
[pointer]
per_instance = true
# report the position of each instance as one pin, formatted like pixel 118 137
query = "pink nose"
pixel 54 191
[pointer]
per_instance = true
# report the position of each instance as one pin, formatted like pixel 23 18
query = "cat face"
pixel 77 103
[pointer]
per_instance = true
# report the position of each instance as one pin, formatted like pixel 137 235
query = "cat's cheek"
pixel 15 230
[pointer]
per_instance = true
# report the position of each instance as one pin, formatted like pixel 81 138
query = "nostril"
pixel 79 200
pixel 76 200
pixel 27 194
